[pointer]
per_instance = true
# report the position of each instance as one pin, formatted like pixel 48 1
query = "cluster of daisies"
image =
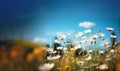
pixel 91 43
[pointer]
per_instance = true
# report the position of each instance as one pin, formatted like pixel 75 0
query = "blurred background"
pixel 23 22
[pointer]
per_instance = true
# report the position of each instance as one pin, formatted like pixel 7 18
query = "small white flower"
pixel 101 52
pixel 46 67
pixel 95 37
pixel 103 67
pixel 54 52
pixel 100 35
pixel 56 41
pixel 109 29
pixel 88 58
pixel 77 47
pixel 53 58
pixel 56 57
pixel 49 50
pixel 112 50
pixel 49 58
pixel 113 36
pixel 59 48
pixel 89 51
pixel 79 34
pixel 87 31
pixel 62 37
pixel 80 62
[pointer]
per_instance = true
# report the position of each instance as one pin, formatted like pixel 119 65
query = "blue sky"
pixel 28 19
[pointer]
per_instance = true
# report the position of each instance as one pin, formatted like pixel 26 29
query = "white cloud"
pixel 39 39
pixel 86 24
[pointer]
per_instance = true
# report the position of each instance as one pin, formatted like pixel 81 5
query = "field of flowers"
pixel 86 51
pixel 91 53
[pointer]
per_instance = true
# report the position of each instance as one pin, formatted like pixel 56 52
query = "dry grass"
pixel 18 55
pixel 27 56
